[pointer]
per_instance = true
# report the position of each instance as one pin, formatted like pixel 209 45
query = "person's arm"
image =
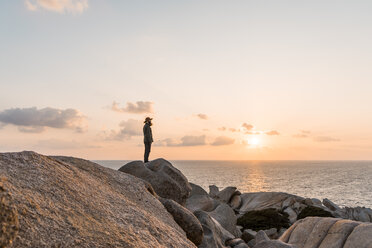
pixel 147 133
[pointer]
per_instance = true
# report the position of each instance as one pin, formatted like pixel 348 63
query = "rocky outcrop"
pixel 263 241
pixel 167 181
pixel 9 224
pixel 264 200
pixel 185 219
pixel 215 236
pixel 226 217
pixel 69 202
pixel 328 233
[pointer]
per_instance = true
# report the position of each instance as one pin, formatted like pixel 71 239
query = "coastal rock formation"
pixel 215 236
pixel 328 233
pixel 226 217
pixel 167 181
pixel 264 200
pixel 185 219
pixel 9 224
pixel 69 202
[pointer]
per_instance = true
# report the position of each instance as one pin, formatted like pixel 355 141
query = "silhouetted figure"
pixel 147 133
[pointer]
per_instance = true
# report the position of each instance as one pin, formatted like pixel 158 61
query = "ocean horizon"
pixel 346 183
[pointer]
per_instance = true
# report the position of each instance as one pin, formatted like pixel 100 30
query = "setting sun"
pixel 254 141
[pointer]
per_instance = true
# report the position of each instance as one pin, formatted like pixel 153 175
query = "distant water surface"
pixel 347 183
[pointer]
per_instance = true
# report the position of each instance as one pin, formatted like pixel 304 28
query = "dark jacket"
pixel 147 133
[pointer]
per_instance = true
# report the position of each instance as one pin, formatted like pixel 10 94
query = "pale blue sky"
pixel 283 65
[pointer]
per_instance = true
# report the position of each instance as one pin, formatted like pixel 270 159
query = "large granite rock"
pixel 263 241
pixel 264 200
pixel 215 236
pixel 185 219
pixel 201 202
pixel 197 190
pixel 226 194
pixel 167 181
pixel 9 224
pixel 320 232
pixel 70 202
pixel 225 215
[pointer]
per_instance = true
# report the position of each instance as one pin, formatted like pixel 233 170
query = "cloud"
pixel 202 116
pixel 166 142
pixel 60 6
pixel 128 129
pixel 325 139
pixel 272 132
pixel 188 140
pixel 223 140
pixel 140 107
pixel 247 126
pixel 302 134
pixel 33 120
pixel 254 132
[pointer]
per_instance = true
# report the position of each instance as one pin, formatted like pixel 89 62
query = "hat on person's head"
pixel 148 119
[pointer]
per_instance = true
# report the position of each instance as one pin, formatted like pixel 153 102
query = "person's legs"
pixel 147 151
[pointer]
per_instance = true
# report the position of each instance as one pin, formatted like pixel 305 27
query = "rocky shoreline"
pixel 71 202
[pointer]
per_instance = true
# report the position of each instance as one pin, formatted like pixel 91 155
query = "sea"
pixel 346 183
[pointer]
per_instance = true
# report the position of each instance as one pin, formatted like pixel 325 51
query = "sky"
pixel 223 80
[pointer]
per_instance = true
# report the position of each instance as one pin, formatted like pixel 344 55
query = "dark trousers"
pixel 147 151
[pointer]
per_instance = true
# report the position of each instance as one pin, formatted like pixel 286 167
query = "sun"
pixel 254 141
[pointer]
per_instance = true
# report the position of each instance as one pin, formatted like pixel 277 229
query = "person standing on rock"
pixel 147 133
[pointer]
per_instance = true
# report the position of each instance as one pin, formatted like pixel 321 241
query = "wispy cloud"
pixel 272 132
pixel 302 134
pixel 202 116
pixel 140 107
pixel 188 140
pixel 60 6
pixel 231 129
pixel 33 120
pixel 325 139
pixel 127 130
pixel 247 127
pixel 223 140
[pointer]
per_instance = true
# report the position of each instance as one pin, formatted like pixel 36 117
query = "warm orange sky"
pixel 223 79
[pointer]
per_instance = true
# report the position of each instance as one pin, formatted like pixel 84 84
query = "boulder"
pixel 313 211
pixel 213 191
pixel 215 236
pixel 264 219
pixel 201 202
pixel 226 217
pixel 234 242
pixel 272 233
pixel 248 235
pixel 263 241
pixel 185 219
pixel 167 181
pixel 330 205
pixel 357 213
pixel 235 202
pixel 9 224
pixel 292 216
pixel 226 194
pixel 70 202
pixel 360 237
pixel 264 200
pixel 241 245
pixel 197 190
pixel 324 232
